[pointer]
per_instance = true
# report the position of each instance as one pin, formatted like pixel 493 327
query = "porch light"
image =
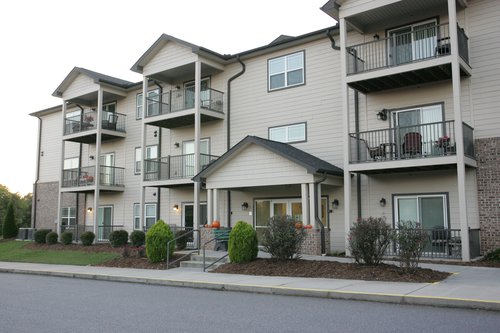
pixel 376 37
pixel 244 205
pixel 382 202
pixel 176 208
pixel 91 157
pixel 89 210
pixel 382 115
pixel 335 203
pixel 176 145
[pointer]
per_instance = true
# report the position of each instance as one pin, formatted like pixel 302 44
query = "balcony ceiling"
pixel 183 73
pixel 90 99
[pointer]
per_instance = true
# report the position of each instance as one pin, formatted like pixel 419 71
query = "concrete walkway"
pixel 468 287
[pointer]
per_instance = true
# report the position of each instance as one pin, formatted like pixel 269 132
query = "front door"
pixel 413 42
pixel 105 222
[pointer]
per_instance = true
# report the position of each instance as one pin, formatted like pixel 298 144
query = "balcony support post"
pixel 143 150
pixel 215 206
pixel 304 190
pixel 312 205
pixel 197 133
pixel 210 204
pixel 459 136
pixel 97 175
pixel 63 146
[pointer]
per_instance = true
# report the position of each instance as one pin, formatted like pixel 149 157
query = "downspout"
pixel 158 192
pixel 35 185
pixel 316 213
pixel 356 121
pixel 228 128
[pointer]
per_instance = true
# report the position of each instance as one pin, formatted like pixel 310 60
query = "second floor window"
pixel 152 102
pixel 286 71
pixel 151 153
pixel 288 133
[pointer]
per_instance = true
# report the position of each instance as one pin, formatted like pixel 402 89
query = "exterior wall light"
pixel 89 210
pixel 244 206
pixel 176 208
pixel 335 203
pixel 382 202
pixel 382 115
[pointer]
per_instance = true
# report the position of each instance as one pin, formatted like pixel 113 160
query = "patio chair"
pixel 412 144
pixel 376 152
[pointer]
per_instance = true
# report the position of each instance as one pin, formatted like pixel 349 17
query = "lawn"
pixel 17 251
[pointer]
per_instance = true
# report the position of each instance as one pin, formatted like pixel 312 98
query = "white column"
pixel 210 204
pixel 142 199
pixel 345 111
pixel 197 133
pixel 216 205
pixel 97 159
pixel 318 202
pixel 312 217
pixel 459 137
pixel 63 146
pixel 305 204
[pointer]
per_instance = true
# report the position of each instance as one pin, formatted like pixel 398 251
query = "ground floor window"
pixel 149 215
pixel 68 216
pixel 430 210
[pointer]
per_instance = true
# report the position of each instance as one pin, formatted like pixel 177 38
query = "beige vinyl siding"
pixel 80 86
pixel 170 55
pixel 50 145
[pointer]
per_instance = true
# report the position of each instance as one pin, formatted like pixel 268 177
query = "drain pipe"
pixel 158 189
pixel 316 214
pixel 35 185
pixel 228 127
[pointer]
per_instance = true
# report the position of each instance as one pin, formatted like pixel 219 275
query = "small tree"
pixel 282 239
pixel 9 229
pixel 157 238
pixel 368 240
pixel 410 240
pixel 243 244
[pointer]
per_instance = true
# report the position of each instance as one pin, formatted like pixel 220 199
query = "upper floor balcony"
pixel 408 56
pixel 176 170
pixel 112 179
pixel 419 147
pixel 81 126
pixel 175 108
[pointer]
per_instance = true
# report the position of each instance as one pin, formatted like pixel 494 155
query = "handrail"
pixel 197 249
pixel 204 255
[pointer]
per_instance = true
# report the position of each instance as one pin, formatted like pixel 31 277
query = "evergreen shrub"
pixel 243 244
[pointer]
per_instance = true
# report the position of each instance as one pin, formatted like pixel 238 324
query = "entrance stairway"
pixel 196 260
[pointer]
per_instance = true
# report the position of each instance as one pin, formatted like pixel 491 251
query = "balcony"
pixel 406 59
pixel 83 179
pixel 82 127
pixel 407 144
pixel 175 108
pixel 175 170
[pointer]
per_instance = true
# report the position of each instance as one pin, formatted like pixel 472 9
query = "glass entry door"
pixel 105 222
pixel 188 156
pixel 412 43
pixel 204 93
pixel 107 166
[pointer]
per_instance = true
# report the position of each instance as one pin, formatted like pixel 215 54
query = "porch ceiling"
pixel 183 73
pixel 420 168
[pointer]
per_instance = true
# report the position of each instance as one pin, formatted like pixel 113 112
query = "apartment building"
pixel 389 113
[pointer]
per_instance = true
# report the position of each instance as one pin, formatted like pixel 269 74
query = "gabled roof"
pixel 310 162
pixel 97 77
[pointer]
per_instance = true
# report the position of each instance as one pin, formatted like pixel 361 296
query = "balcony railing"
pixel 183 99
pixel 400 49
pixel 174 167
pixel 406 142
pixel 85 176
pixel 87 120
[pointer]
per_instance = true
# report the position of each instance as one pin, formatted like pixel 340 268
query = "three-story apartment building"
pixel 389 113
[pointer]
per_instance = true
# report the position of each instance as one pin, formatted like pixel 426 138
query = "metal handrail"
pixel 197 249
pixel 204 255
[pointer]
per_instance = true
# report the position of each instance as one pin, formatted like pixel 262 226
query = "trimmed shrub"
pixel 87 238
pixel 9 228
pixel 243 244
pixel 137 238
pixel 282 239
pixel 67 237
pixel 118 238
pixel 369 239
pixel 51 238
pixel 181 242
pixel 493 255
pixel 410 240
pixel 41 235
pixel 157 238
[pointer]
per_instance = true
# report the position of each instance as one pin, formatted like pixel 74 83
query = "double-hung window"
pixel 286 71
pixel 151 155
pixel 288 133
pixel 149 215
pixel 68 216
pixel 153 103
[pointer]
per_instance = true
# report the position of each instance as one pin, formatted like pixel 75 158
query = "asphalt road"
pixel 30 303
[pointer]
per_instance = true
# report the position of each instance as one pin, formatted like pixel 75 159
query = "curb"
pixel 437 301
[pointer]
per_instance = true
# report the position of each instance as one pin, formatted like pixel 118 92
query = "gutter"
pixel 228 127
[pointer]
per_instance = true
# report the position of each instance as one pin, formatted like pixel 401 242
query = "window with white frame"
pixel 151 153
pixel 286 71
pixel 149 215
pixel 70 171
pixel 68 216
pixel 288 133
pixel 153 99
pixel 429 210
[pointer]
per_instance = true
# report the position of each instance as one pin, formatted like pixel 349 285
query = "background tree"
pixel 21 206
pixel 9 227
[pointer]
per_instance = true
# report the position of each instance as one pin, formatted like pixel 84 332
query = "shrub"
pixel 67 237
pixel 243 244
pixel 41 235
pixel 410 240
pixel 282 239
pixel 87 238
pixel 137 238
pixel 369 239
pixel 9 228
pixel 51 238
pixel 493 255
pixel 157 238
pixel 181 242
pixel 118 238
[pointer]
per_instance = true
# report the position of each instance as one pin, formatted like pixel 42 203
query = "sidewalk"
pixel 469 287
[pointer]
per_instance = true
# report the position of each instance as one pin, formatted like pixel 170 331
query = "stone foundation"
pixel 488 189
pixel 312 242
pixel 207 234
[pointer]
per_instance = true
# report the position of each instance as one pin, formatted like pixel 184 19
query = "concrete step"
pixel 197 260
pixel 211 258
pixel 198 264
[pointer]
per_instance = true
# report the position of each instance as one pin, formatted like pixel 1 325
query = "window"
pixel 149 215
pixel 70 171
pixel 151 153
pixel 109 107
pixel 68 216
pixel 152 102
pixel 286 71
pixel 288 133
pixel 430 210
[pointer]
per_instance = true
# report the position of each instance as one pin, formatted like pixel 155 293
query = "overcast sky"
pixel 41 41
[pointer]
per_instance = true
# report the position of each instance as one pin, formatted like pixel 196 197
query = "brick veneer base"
pixel 488 188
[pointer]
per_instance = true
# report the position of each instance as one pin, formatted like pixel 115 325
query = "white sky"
pixel 41 41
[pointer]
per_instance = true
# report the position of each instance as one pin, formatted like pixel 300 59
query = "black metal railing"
pixel 87 120
pixel 399 49
pixel 193 246
pixel 406 142
pixel 183 99
pixel 85 176
pixel 174 167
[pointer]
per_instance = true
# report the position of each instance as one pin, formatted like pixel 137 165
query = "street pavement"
pixel 468 287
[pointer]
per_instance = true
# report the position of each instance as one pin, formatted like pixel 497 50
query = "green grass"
pixel 15 251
